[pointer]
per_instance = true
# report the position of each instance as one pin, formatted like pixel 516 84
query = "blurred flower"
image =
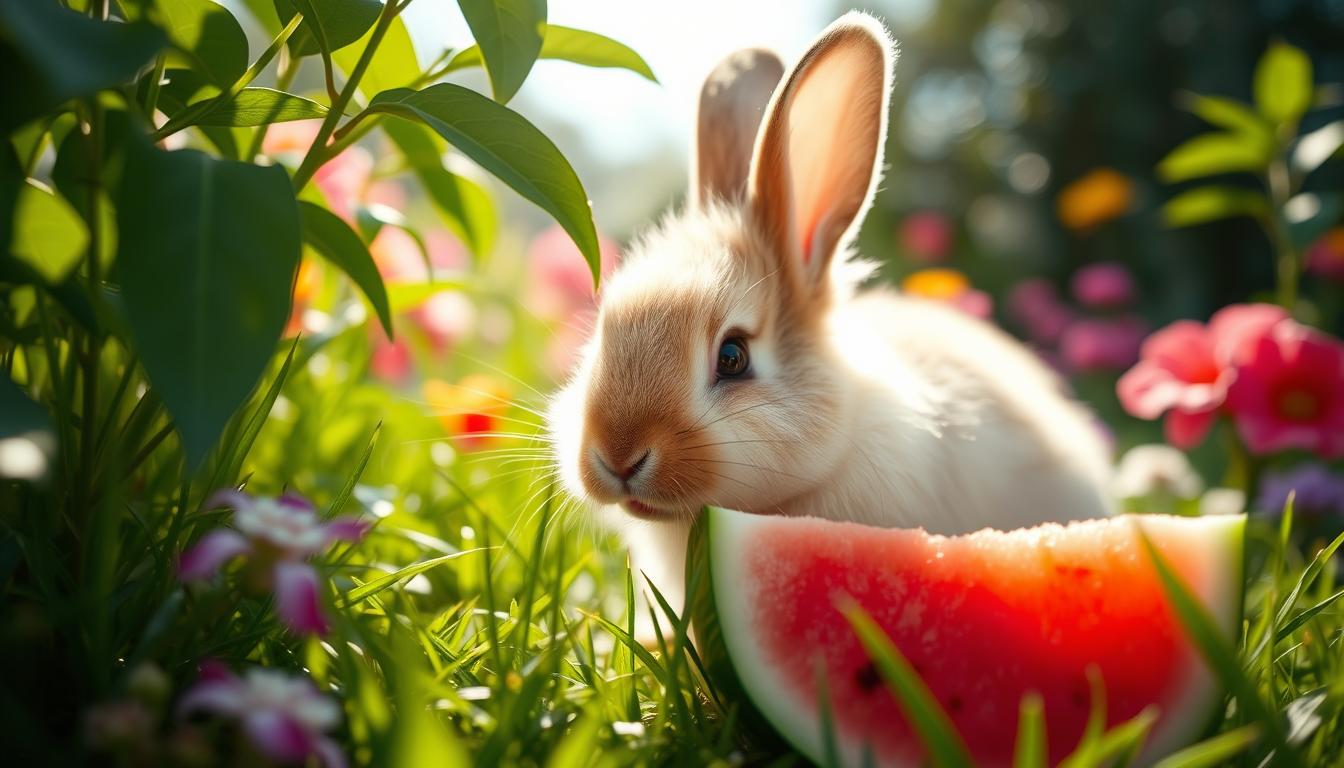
pixel 122 725
pixel 283 717
pixel 1318 493
pixel 471 410
pixel 1325 257
pixel 1094 199
pixel 1107 285
pixel 277 535
pixel 1155 470
pixel 1289 392
pixel 290 141
pixel 1102 344
pixel 390 361
pixel 950 287
pixel 560 283
pixel 1035 305
pixel 1187 368
pixel 1222 501
pixel 400 259
pixel 305 285
pixel 446 318
pixel 926 236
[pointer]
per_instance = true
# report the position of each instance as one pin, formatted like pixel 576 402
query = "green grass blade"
pixel 1308 575
pixel 348 489
pixel 1201 629
pixel 1307 615
pixel 1216 751
pixel 830 754
pixel 1030 751
pixel 935 730
pixel 369 589
pixel 579 746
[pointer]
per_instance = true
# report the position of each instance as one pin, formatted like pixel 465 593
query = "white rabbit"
pixel 733 363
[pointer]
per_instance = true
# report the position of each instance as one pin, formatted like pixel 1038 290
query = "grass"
pixel 483 621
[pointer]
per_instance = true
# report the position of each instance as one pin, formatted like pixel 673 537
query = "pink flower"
pixel 560 283
pixel 1325 257
pixel 284 717
pixel 1107 285
pixel 1187 368
pixel 926 236
pixel 390 361
pixel 1035 306
pixel 277 535
pixel 1102 344
pixel 975 303
pixel 1289 392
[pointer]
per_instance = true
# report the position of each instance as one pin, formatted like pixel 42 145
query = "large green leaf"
pixel 505 144
pixel 48 234
pixel 19 414
pixel 11 184
pixel 328 25
pixel 1232 115
pixel 330 236
pixel 394 64
pixel 49 54
pixel 1211 154
pixel 1283 84
pixel 509 33
pixel 576 45
pixel 1211 203
pixel 262 106
pixel 467 208
pixel 208 254
pixel 209 35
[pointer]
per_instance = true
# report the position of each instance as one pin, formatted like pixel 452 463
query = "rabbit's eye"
pixel 733 359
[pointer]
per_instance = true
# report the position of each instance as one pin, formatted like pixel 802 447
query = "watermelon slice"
pixel 983 618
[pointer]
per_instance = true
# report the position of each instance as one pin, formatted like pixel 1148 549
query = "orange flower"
pixel 951 287
pixel 471 410
pixel 305 285
pixel 1096 198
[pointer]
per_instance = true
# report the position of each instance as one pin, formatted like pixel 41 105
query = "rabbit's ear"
pixel 816 163
pixel 732 102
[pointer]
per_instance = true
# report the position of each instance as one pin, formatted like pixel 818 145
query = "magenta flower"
pixel 1186 369
pixel 1289 392
pixel 277 535
pixel 926 236
pixel 283 717
pixel 1102 344
pixel 1107 285
pixel 1036 307
pixel 1325 257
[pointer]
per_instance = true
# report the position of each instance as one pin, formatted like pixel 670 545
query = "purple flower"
pixel 283 717
pixel 1036 307
pixel 1102 344
pixel 1319 493
pixel 277 535
pixel 1107 285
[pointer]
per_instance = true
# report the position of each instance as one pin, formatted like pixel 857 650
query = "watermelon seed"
pixel 867 677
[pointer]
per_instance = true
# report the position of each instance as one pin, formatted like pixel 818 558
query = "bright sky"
pixel 621 114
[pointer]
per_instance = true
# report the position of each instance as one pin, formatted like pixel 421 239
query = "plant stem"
pixel 318 153
pixel 201 108
pixel 1287 261
pixel 155 85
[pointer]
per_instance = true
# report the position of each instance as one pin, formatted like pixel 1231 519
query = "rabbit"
pixel 734 363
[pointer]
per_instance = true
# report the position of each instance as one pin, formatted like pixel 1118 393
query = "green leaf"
pixel 394 64
pixel 1213 752
pixel 1213 153
pixel 1229 114
pixel 503 143
pixel 264 12
pixel 328 25
pixel 207 258
pixel 19 415
pixel 365 591
pixel 209 35
pixel 11 186
pixel 576 45
pixel 1030 749
pixel 262 106
pixel 921 709
pixel 1283 84
pixel 509 33
pixel 48 233
pixel 330 236
pixel 1205 204
pixel 466 207
pixel 49 55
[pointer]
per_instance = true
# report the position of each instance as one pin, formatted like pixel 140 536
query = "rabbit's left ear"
pixel 817 158
pixel 732 103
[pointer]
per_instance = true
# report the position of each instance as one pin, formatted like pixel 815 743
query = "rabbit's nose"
pixel 628 472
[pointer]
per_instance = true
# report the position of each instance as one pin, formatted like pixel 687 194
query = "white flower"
pixel 1155 470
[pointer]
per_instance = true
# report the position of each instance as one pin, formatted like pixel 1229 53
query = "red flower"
pixel 1290 392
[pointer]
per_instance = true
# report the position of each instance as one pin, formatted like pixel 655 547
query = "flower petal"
pixel 221 697
pixel 329 753
pixel 346 529
pixel 1187 430
pixel 278 735
pixel 210 553
pixel 296 598
pixel 229 498
pixel 295 501
pixel 1235 329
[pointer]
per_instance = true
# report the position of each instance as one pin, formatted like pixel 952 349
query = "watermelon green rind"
pixel 722 615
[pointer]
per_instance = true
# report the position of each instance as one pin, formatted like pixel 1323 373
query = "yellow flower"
pixel 941 284
pixel 469 410
pixel 1096 198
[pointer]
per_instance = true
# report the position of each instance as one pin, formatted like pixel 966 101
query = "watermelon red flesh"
pixel 984 619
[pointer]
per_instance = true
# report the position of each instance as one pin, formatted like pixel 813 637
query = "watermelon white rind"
pixel 744 588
